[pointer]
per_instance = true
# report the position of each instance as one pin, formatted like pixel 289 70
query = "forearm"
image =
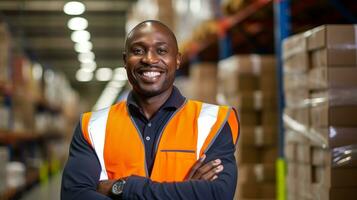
pixel 81 173
pixel 221 188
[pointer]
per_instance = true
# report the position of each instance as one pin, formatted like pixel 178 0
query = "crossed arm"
pixel 208 179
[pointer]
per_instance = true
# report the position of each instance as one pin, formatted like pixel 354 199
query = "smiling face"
pixel 151 58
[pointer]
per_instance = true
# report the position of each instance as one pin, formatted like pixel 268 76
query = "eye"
pixel 138 51
pixel 161 51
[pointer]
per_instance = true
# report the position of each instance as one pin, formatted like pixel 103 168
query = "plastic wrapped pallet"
pixel 320 145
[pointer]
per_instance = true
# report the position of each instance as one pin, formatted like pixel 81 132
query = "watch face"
pixel 118 186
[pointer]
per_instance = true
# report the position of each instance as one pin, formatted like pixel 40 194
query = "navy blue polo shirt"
pixel 82 170
pixel 150 128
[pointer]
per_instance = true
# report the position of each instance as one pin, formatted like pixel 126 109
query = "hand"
pixel 208 171
pixel 104 187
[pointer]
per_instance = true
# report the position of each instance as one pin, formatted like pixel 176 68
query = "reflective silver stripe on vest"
pixel 96 130
pixel 206 120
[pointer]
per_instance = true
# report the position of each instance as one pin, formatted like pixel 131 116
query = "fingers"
pixel 196 166
pixel 208 170
pixel 212 174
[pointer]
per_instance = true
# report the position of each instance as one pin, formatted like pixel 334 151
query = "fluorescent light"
pixel 120 74
pixel 37 71
pixel 74 8
pixel 83 47
pixel 104 74
pixel 80 36
pixel 84 76
pixel 89 67
pixel 116 84
pixel 77 23
pixel 49 76
pixel 107 98
pixel 87 57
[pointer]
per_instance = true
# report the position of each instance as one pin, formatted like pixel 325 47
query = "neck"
pixel 150 105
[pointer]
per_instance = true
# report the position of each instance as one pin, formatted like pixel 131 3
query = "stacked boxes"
pixel 4 56
pixel 320 137
pixel 203 80
pixel 4 159
pixel 4 77
pixel 248 82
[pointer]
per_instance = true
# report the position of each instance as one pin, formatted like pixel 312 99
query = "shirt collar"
pixel 175 100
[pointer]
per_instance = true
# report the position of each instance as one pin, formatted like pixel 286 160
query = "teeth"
pixel 151 74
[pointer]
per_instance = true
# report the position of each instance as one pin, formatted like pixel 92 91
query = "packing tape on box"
pixel 256 64
pixel 334 97
pixel 258 136
pixel 310 133
pixel 259 172
pixel 344 156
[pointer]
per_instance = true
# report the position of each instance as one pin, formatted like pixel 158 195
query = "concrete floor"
pixel 49 190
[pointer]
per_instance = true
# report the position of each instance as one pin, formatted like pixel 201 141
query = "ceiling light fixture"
pixel 80 36
pixel 83 75
pixel 120 74
pixel 77 23
pixel 74 8
pixel 89 66
pixel 104 74
pixel 83 47
pixel 87 57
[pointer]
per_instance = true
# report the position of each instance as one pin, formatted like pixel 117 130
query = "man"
pixel 157 144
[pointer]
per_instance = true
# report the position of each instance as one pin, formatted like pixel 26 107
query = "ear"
pixel 178 60
pixel 124 58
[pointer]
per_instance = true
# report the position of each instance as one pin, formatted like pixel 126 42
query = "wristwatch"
pixel 117 189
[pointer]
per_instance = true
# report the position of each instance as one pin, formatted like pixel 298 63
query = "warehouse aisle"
pixel 49 190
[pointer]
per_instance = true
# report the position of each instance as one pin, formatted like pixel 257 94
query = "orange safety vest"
pixel 187 135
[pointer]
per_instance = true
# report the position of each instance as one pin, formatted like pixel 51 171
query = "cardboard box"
pixel 297 63
pixel 204 74
pixel 266 190
pixel 341 136
pixel 258 136
pixel 250 118
pixel 270 118
pixel 256 173
pixel 321 157
pixel 298 98
pixel 296 81
pixel 337 39
pixel 320 192
pixel 342 78
pixel 324 115
pixel 245 155
pixel 299 118
pixel 343 193
pixel 268 84
pixel 343 177
pixel 252 155
pixel 294 45
pixel 252 64
pixel 303 153
pixel 290 150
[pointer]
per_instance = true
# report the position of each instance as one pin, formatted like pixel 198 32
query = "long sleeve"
pixel 81 173
pixel 221 188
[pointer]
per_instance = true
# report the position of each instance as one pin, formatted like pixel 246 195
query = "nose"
pixel 150 58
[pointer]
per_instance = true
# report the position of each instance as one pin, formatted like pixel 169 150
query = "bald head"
pixel 150 25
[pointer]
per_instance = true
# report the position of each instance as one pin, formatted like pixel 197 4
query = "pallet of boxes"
pixel 320 80
pixel 203 82
pixel 248 82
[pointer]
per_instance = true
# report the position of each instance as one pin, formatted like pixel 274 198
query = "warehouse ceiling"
pixel 40 27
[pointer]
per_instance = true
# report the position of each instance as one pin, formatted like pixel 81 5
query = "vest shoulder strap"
pixel 96 134
pixel 206 119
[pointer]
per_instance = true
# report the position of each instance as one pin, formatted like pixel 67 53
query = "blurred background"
pixel 290 73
